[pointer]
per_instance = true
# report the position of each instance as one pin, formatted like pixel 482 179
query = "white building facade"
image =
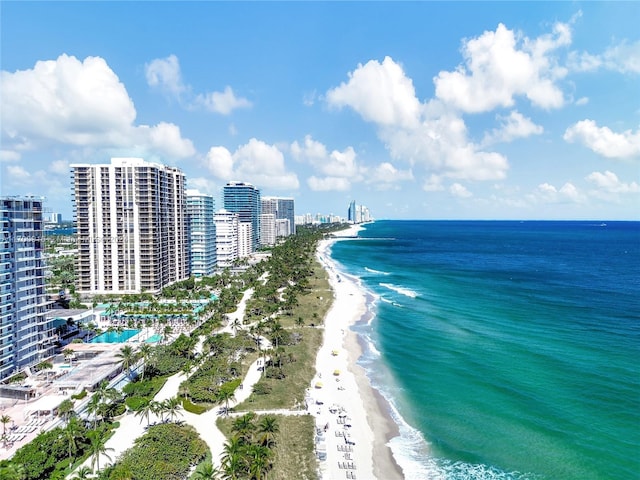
pixel 267 229
pixel 131 221
pixel 227 225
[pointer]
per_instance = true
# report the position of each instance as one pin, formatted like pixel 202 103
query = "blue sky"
pixel 417 110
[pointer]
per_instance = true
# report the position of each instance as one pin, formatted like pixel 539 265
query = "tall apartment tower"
pixel 351 214
pixel 244 199
pixel 283 209
pixel 202 233
pixel 26 337
pixel 131 220
pixel 267 228
pixel 226 237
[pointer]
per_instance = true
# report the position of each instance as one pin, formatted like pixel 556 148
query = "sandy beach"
pixel 352 419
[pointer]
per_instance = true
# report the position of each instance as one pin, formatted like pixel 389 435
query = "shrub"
pixel 191 407
pixel 261 388
pixel 135 403
pixel 79 396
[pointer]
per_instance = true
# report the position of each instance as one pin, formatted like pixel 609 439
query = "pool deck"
pixel 93 363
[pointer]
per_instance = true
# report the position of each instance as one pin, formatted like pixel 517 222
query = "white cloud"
pixel 220 163
pixel 513 126
pixel 311 150
pixel 78 103
pixel 330 166
pixel 66 100
pixel 394 101
pixel 430 135
pixel 59 167
pixel 165 74
pixel 609 183
pixel 582 101
pixel 433 184
pixel 603 140
pixel 501 65
pixel 386 173
pixel 17 173
pixel 9 155
pixel 222 102
pixel 309 98
pixel 459 191
pixel 166 137
pixel 623 58
pixel 568 193
pixel 202 184
pixel 255 162
pixel 328 183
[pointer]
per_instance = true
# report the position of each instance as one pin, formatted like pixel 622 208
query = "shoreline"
pixel 372 426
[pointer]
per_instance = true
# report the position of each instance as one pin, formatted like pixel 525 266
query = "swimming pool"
pixel 114 337
pixel 154 338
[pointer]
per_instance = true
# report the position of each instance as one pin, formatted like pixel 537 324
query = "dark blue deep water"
pixel 507 349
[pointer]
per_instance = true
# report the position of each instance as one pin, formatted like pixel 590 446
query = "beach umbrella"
pixel 318 384
pixel 336 372
pixel 334 352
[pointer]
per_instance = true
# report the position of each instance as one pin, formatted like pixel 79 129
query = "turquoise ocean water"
pixel 508 350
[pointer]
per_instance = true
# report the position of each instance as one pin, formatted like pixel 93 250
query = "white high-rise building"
pixel 245 239
pixel 267 229
pixel 26 335
pixel 283 228
pixel 131 220
pixel 202 233
pixel 226 237
pixel 283 209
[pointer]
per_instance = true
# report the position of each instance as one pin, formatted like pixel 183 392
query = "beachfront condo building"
pixel 358 213
pixel 245 239
pixel 26 335
pixel 267 229
pixel 283 209
pixel 244 199
pixel 132 230
pixel 226 237
pixel 202 233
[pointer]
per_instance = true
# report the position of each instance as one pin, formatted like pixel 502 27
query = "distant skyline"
pixel 418 110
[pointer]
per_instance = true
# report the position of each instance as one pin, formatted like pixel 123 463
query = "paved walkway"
pixel 132 426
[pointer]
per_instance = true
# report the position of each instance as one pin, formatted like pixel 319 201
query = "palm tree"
pixel 233 460
pixel 65 409
pixel 145 351
pixel 4 419
pixel 82 474
pixel 206 471
pixel 145 411
pixel 173 406
pixel 268 427
pixel 127 358
pixel 93 407
pixel 98 447
pixel 13 471
pixel 243 427
pixel 159 409
pixel 259 461
pixel 71 434
pixel 225 395
pixel 235 325
pixel 68 354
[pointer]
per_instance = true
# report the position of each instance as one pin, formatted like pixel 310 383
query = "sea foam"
pixel 401 290
pixel 378 272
